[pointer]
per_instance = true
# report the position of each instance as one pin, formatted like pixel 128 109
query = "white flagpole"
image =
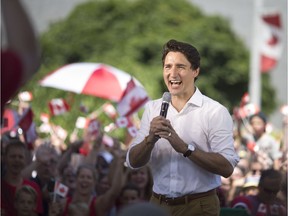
pixel 255 73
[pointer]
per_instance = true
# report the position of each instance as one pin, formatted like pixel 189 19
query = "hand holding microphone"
pixel 166 99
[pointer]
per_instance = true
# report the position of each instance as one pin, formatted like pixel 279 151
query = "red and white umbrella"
pixel 95 79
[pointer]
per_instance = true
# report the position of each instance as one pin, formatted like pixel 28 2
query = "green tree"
pixel 130 35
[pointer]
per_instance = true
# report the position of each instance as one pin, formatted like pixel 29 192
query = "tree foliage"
pixel 130 34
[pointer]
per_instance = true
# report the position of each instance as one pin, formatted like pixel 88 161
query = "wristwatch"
pixel 189 151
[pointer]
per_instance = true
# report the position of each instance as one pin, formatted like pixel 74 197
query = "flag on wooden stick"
pixel 58 106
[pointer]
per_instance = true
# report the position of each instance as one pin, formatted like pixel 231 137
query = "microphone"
pixel 166 99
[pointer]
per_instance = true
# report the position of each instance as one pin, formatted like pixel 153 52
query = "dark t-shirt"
pixel 8 192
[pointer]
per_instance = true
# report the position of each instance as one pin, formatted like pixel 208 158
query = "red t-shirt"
pixel 8 192
pixel 256 208
pixel 91 206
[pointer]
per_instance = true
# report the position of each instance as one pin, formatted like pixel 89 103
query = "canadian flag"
pixel 30 136
pixel 134 97
pixel 245 99
pixel 60 189
pixel 271 40
pixel 123 122
pixel 132 130
pixel 60 132
pixel 126 122
pixel 109 110
pixel 93 127
pixel 81 122
pixel 58 106
pixel 9 120
pixel 25 96
pixel 44 117
pixel 107 140
pixel 248 110
pixel 26 119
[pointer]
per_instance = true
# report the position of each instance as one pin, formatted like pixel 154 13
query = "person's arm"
pixel 213 162
pixel 210 161
pixel 106 201
pixel 66 157
pixel 139 155
pixel 27 171
pixel 91 158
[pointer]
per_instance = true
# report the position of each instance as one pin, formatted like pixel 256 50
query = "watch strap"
pixel 187 153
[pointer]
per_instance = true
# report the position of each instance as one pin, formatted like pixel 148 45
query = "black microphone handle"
pixel 164 109
pixel 163 112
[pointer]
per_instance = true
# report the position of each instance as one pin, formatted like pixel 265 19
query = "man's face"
pixel 15 160
pixel 268 189
pixel 178 75
pixel 258 125
pixel 47 166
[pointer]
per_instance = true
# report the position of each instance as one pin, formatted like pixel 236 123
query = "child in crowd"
pixel 25 201
pixel 130 194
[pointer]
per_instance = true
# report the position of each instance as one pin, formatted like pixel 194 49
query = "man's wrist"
pixel 190 149
pixel 148 142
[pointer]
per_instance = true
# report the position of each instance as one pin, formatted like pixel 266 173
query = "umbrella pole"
pixel 97 112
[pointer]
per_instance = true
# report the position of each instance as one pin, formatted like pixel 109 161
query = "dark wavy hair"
pixel 190 52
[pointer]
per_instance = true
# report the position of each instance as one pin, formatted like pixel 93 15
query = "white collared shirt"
pixel 202 122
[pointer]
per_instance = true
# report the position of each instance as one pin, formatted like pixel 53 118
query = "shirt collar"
pixel 197 98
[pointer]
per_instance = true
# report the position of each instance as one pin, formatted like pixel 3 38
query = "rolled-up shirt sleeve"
pixel 142 132
pixel 221 135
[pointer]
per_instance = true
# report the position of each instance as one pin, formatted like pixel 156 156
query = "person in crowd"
pixel 15 162
pixel 237 180
pixel 144 209
pixel 67 170
pixel 25 201
pixel 130 194
pixel 68 178
pixel 142 177
pixel 282 195
pixel 84 200
pixel 263 146
pixel 223 191
pixel 193 147
pixel 265 202
pixel 43 171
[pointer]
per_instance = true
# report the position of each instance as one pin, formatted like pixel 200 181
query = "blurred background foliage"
pixel 129 35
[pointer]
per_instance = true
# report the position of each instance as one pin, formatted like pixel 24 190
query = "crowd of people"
pixel 100 183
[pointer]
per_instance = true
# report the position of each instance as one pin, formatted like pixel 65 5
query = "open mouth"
pixel 84 185
pixel 174 83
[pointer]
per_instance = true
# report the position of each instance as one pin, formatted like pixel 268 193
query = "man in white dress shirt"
pixel 190 149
